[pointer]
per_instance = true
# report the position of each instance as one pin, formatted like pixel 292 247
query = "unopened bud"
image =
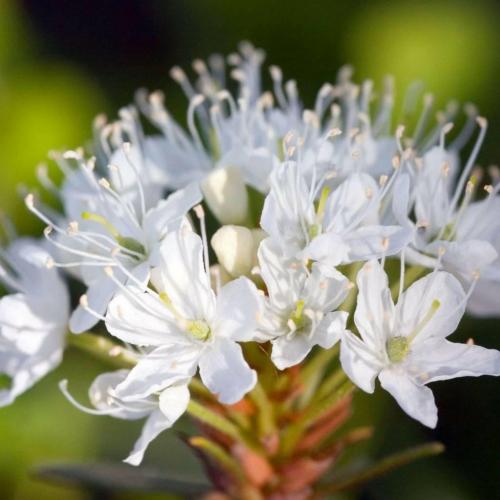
pixel 226 195
pixel 235 249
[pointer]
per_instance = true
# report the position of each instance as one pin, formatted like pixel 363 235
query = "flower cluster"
pixel 261 224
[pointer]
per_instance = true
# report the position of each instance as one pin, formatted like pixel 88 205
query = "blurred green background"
pixel 61 63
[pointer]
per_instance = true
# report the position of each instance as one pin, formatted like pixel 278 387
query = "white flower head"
pixel 405 345
pixel 301 308
pixel 446 212
pixel 333 227
pixel 161 410
pixel 110 224
pixel 184 325
pixel 33 318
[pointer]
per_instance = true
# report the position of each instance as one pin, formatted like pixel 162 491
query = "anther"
pixel 383 180
pixel 177 74
pixel 29 200
pixel 199 211
pixel 73 228
pixel 104 183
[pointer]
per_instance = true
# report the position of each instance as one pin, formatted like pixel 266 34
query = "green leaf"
pixel 380 468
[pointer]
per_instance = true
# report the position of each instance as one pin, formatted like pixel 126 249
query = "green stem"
pixel 292 435
pixel 316 365
pixel 382 467
pixel 331 383
pixel 265 413
pixel 220 423
pixel 220 455
pixel 103 349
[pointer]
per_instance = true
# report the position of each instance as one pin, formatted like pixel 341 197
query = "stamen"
pixel 200 213
pixel 436 304
pixel 194 103
pixel 63 386
pixel 102 221
pixel 483 124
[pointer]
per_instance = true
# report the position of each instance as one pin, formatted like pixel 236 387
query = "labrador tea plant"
pixel 256 268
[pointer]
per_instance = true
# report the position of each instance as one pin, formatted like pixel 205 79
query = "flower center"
pixel 128 243
pixel 199 329
pixel 316 228
pixel 397 349
pixel 298 319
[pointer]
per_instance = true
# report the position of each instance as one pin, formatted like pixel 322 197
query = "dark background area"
pixel 62 62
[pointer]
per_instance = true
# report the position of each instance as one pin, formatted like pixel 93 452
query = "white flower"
pixel 240 131
pixel 110 224
pixel 339 228
pixel 161 410
pixel 300 310
pixel 33 318
pixel 405 345
pixel 451 228
pixel 184 325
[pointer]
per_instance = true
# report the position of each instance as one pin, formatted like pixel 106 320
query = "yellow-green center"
pixel 199 329
pixel 397 349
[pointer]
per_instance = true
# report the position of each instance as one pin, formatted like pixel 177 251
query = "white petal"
pixel 328 248
pixel 225 372
pixel 355 197
pixel 160 368
pixel 464 258
pixel 99 294
pixel 22 323
pixel 27 370
pixel 256 164
pixel 325 288
pixel 289 350
pixel 238 308
pixel 156 423
pixel 360 364
pixel 374 314
pixel 100 396
pixel 283 281
pixel 480 221
pixel 139 318
pixel 174 401
pixel 416 305
pixel 438 359
pixel 401 199
pixel 372 242
pixel 433 189
pixel 183 275
pixel 168 214
pixel 292 348
pixel 485 300
pixel 330 330
pixel 288 210
pixel 416 400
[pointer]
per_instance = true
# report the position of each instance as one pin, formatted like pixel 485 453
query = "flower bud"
pixel 226 195
pixel 236 249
